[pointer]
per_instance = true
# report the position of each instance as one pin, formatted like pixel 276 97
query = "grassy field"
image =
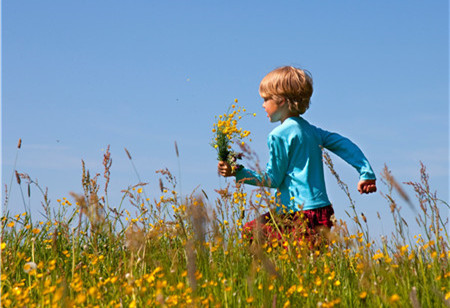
pixel 188 251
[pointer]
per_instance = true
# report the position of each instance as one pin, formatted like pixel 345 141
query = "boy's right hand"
pixel 225 169
pixel 367 186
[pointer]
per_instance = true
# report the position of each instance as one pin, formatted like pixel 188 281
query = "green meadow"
pixel 188 251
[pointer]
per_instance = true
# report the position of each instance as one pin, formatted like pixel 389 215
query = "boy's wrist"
pixel 236 169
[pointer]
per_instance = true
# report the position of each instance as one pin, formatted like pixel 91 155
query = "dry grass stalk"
pixel 107 162
pixel 176 149
pixel 128 153
pixel 134 238
pixel 390 179
pixel 18 177
pixel 413 298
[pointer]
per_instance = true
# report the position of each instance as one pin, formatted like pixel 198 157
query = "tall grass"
pixel 188 251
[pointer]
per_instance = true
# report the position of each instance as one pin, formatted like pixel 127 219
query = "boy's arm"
pixel 246 176
pixel 353 155
pixel 275 170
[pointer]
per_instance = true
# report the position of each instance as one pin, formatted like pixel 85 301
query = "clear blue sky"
pixel 79 75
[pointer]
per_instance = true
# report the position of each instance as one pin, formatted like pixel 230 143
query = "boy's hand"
pixel 367 186
pixel 225 169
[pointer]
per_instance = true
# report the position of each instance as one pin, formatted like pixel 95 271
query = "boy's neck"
pixel 287 115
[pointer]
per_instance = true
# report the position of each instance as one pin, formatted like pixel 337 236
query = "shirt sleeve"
pixel 349 152
pixel 276 167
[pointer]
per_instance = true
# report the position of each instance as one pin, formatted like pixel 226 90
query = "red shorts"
pixel 303 223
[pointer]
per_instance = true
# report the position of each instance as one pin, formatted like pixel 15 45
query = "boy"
pixel 295 165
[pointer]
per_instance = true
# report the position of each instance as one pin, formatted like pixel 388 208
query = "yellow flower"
pixel 139 190
pixel 29 267
pixel 394 298
pixel 80 298
pixel 378 256
pixel 3 246
pixel 363 295
pixel 11 224
pixel 35 231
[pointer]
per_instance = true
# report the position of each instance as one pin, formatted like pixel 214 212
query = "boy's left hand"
pixel 367 186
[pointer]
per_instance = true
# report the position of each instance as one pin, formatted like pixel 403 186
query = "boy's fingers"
pixel 360 187
pixel 370 188
pixel 367 186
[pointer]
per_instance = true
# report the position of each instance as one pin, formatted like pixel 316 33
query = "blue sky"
pixel 79 75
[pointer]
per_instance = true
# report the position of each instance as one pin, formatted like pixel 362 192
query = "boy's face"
pixel 275 109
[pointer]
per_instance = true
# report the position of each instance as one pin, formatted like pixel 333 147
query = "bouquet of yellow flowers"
pixel 226 133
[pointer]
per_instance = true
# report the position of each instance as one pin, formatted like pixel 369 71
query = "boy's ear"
pixel 281 101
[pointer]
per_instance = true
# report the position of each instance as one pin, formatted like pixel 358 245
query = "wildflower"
pixel 81 298
pixel 394 298
pixel 378 255
pixel 11 224
pixel 29 267
pixel 226 133
pixel 363 295
pixel 35 231
pixel 3 245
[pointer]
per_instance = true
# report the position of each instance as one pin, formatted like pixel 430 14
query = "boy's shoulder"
pixel 290 125
pixel 295 127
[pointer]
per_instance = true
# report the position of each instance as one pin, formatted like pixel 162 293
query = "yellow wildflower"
pixel 394 298
pixel 29 267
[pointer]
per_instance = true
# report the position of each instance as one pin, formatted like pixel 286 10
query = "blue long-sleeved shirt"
pixel 295 165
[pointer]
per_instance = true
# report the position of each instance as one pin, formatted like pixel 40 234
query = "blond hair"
pixel 290 83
